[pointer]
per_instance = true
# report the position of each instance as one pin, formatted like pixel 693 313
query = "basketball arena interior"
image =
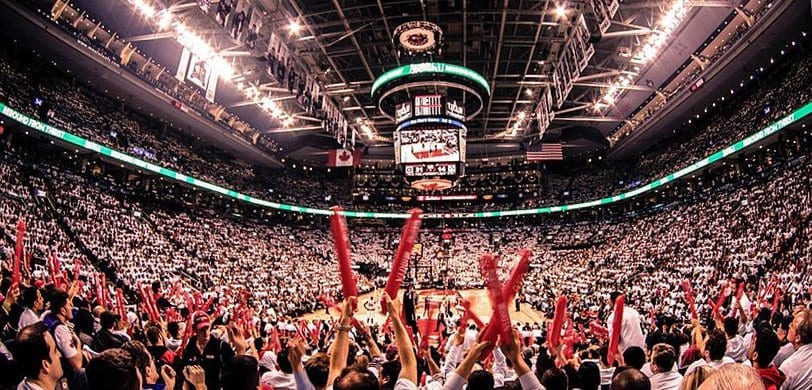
pixel 405 194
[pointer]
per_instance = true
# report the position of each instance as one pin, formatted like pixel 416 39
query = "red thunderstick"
pixel 470 315
pixel 77 269
pixel 617 325
pixel 512 285
pixel 558 322
pixel 501 318
pixel 407 239
pixel 491 331
pixel 120 304
pixel 18 252
pixel 338 225
pixel 689 297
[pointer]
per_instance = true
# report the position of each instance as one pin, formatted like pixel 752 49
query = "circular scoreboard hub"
pixel 429 103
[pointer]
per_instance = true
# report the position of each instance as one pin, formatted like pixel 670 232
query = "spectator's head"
pixel 84 321
pixel 200 321
pixel 543 362
pixel 142 360
pixel 173 328
pixel 663 358
pixel 715 345
pixel 733 377
pixel 113 369
pixel 554 379
pixel 317 369
pixel 60 305
pixel 356 378
pixel 631 379
pixel 36 354
pixel 259 344
pixel 32 299
pixel 764 315
pixel 480 380
pixel 590 375
pixel 108 320
pixel 603 354
pixel 155 335
pixel 240 373
pixel 283 362
pixel 389 373
pixel 634 357
pixel 800 330
pixel 764 348
pixel 695 379
pixel 731 325
pixel 613 297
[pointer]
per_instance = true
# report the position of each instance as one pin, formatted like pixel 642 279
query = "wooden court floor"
pixel 368 307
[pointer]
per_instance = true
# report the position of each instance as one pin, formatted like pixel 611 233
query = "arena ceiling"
pixel 514 44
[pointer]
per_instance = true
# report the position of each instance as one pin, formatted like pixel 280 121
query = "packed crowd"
pixel 33 85
pixel 749 225
pixel 213 299
pixel 101 42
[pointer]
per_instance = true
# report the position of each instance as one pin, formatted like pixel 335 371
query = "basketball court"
pixel 368 306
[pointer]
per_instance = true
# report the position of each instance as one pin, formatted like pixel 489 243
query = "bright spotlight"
pixel 294 27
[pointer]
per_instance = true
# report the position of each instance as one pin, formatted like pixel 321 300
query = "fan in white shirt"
pixel 631 334
pixel 32 301
pixel 798 367
pixel 713 351
pixel 662 371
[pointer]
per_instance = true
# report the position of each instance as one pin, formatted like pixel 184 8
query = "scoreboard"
pixel 429 106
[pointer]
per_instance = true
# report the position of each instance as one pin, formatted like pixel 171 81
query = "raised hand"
pixel 196 376
pixel 12 294
pixel 168 375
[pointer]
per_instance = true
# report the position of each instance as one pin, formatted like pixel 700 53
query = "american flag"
pixel 545 152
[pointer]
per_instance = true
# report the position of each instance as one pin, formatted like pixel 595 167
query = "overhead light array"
pixel 518 123
pixel 366 129
pixel 266 103
pixel 201 49
pixel 669 22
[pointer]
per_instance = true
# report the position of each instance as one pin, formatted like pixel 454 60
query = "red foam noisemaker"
pixel 425 326
pixel 500 319
pixel 689 297
pixel 719 302
pixel 407 239
pixel 77 268
pixel 105 291
pixel 18 252
pixel 598 330
pixel 120 304
pixel 512 285
pixel 338 226
pixel 617 325
pixel 776 301
pixel 558 322
pixel 470 315
pixel 492 331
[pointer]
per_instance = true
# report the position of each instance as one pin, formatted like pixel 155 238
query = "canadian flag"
pixel 340 158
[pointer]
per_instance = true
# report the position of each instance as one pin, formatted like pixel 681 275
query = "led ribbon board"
pixel 426 68
pixel 431 121
pixel 177 176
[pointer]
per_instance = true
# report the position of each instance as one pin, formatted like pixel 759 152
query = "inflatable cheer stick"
pixel 407 239
pixel 338 225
